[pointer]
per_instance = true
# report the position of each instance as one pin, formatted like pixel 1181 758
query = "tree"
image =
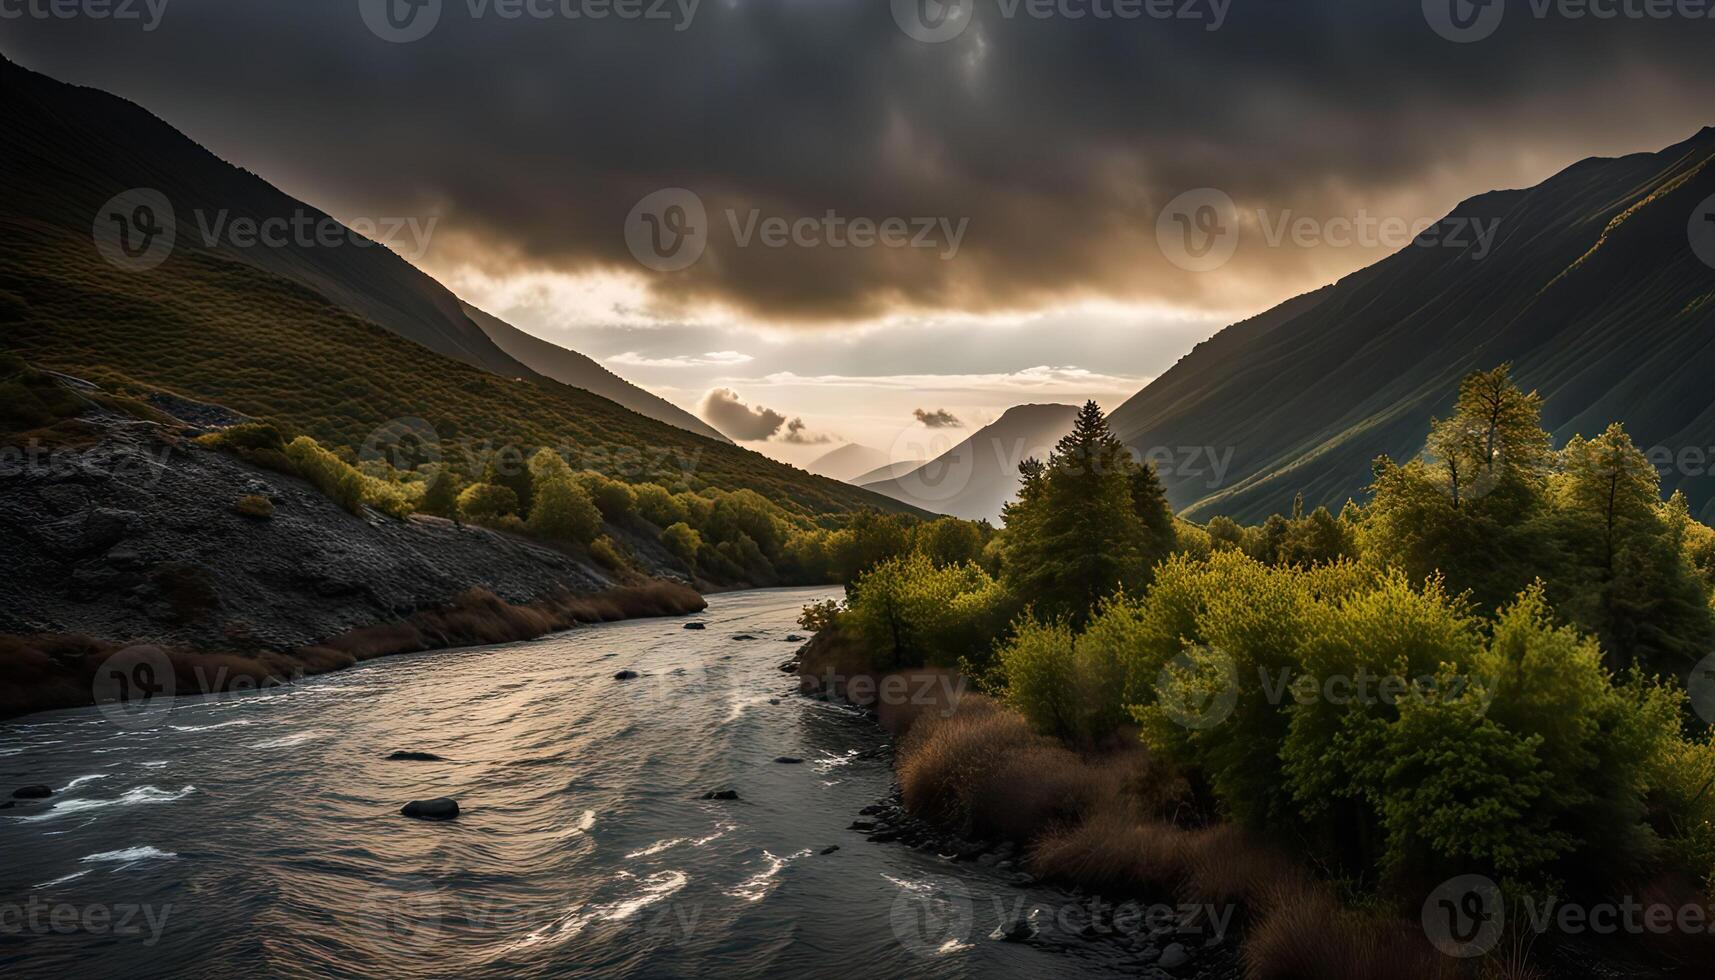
pixel 1087 523
pixel 1629 578
pixel 949 541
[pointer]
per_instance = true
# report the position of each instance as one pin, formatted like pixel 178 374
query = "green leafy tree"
pixel 1087 523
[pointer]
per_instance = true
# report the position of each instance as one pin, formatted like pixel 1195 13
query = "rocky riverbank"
pixel 138 535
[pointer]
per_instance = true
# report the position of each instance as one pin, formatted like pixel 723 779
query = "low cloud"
pixel 940 418
pixel 797 432
pixel 726 411
pixel 714 358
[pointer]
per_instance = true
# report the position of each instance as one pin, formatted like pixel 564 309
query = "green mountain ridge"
pixel 1591 290
pixel 277 333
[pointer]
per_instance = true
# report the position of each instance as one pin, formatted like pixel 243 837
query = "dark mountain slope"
pixel 1591 289
pixel 71 149
pixel 570 367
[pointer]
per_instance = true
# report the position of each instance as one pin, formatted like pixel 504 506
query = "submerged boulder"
pixel 721 794
pixel 440 808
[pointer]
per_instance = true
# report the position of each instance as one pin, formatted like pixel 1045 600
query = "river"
pixel 259 834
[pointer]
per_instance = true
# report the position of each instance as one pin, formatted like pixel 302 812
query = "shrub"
pixel 818 616
pixel 563 512
pixel 486 503
pixel 254 505
pixel 607 553
pixel 333 476
pixel 613 498
pixel 914 614
pixel 682 542
pixel 657 505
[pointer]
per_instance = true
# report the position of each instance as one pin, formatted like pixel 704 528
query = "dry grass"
pixel 1101 822
pixel 1306 935
pixel 48 671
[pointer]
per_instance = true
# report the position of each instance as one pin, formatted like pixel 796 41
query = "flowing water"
pixel 260 834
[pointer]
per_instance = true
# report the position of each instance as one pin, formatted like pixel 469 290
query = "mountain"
pixel 73 148
pixel 1591 289
pixel 885 472
pixel 848 461
pixel 973 479
pixel 344 343
pixel 572 368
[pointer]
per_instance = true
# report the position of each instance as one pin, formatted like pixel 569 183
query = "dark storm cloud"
pixel 726 411
pixel 1058 140
pixel 940 418
pixel 799 434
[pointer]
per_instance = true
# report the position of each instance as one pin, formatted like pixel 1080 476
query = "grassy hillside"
pixel 1591 290
pixel 216 329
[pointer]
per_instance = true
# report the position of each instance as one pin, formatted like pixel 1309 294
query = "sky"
pixel 889 220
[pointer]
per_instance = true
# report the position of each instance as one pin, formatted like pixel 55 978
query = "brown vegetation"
pixel 1104 821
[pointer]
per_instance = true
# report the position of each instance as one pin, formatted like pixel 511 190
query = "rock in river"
pixel 625 675
pixel 696 626
pixel 436 809
pixel 788 760
pixel 414 757
pixel 37 792
pixel 721 794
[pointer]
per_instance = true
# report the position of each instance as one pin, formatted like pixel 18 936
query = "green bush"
pixel 613 498
pixel 657 505
pixel 910 613
pixel 683 542
pixel 608 554
pixel 333 476
pixel 818 616
pixel 487 503
pixel 563 512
